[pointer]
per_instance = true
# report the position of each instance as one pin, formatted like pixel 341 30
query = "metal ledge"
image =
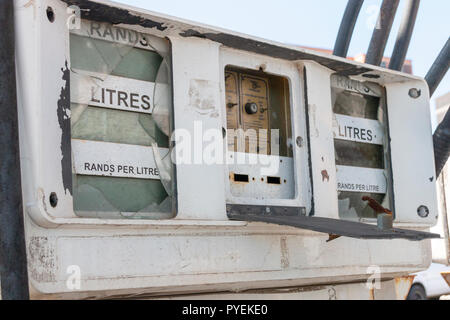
pixel 325 225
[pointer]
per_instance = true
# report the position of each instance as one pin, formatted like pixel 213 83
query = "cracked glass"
pixel 120 120
pixel 361 148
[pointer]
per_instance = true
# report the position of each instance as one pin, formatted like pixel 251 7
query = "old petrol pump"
pixel 163 157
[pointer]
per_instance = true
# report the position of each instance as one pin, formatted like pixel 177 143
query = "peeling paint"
pixel 103 13
pixel 42 260
pixel 202 97
pixel 284 253
pixel 325 176
pixel 271 50
pixel 308 136
pixel 63 114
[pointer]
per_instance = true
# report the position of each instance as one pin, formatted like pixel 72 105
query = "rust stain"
pixel 325 175
pixel 403 285
pixel 372 294
pixel 333 237
pixel 378 208
pixel 446 276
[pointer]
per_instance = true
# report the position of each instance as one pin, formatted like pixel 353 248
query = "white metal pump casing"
pixel 201 250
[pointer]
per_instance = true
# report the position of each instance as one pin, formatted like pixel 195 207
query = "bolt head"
pixel 414 93
pixel 423 211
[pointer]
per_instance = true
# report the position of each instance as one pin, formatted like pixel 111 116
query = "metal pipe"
pixel 381 32
pixel 347 26
pixel 13 261
pixel 404 35
pixel 439 68
pixel 441 141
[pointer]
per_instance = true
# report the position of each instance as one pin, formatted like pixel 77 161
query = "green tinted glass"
pixel 113 58
pixel 361 147
pixel 117 197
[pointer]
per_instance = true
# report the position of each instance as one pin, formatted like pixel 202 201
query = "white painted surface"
pixel 123 36
pixel 196 78
pixel 107 91
pixel 202 249
pixel 352 85
pixel 412 152
pixel 94 158
pixel 320 113
pixel 357 129
pixel 258 187
pixel 355 179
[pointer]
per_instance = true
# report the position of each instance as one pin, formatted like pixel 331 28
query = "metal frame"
pixel 289 71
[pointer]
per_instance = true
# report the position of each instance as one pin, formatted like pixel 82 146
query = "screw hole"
pixel 423 211
pixel 414 93
pixel 50 14
pixel 53 200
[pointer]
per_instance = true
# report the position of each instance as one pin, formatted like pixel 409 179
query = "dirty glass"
pixel 354 102
pixel 258 111
pixel 96 49
pixel 271 94
pixel 356 154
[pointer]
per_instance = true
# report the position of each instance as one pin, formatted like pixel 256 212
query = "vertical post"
pixel 347 26
pixel 404 35
pixel 13 262
pixel 381 32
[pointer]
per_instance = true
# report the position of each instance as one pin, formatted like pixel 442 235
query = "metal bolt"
pixel 415 93
pixel 423 211
pixel 299 142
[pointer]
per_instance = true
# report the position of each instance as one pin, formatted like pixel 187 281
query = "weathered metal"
pixel 13 258
pixel 404 35
pixel 402 286
pixel 334 227
pixel 381 32
pixel 201 250
pixel 347 26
